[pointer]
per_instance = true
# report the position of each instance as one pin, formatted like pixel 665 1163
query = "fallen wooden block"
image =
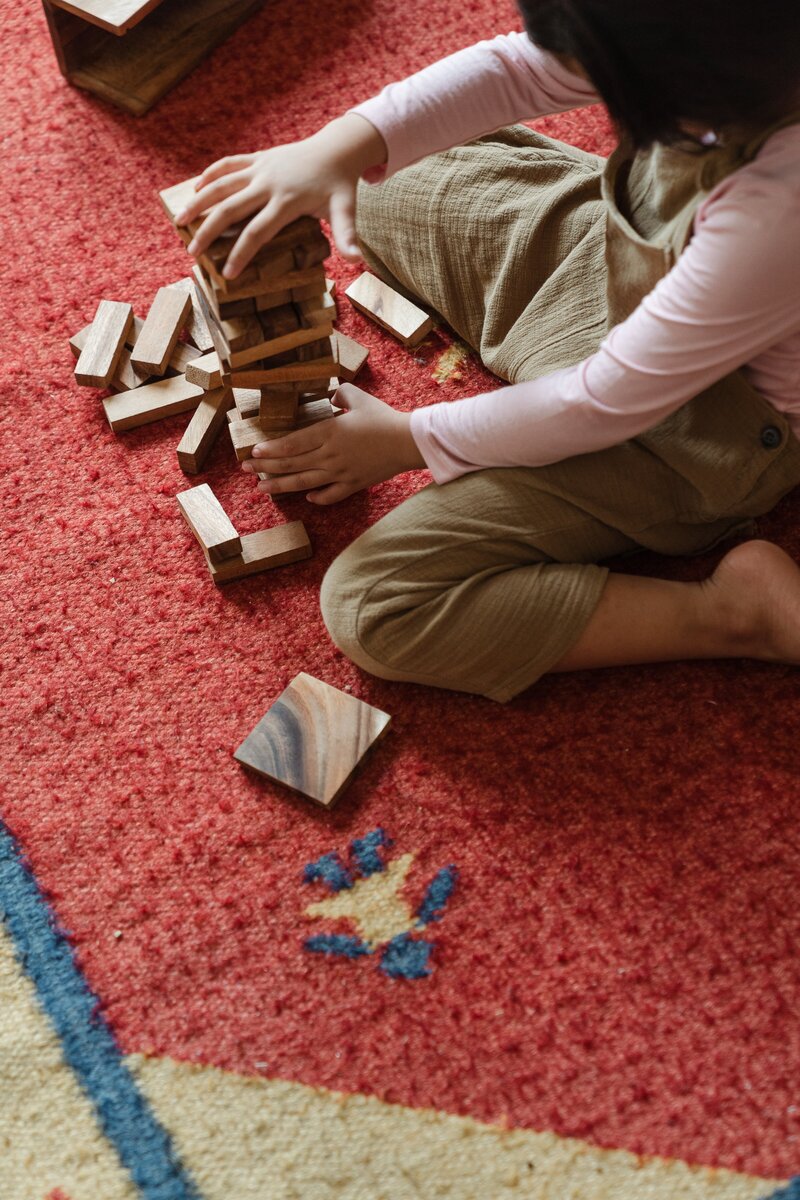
pixel 201 432
pixel 350 355
pixel 196 327
pixel 162 326
pixel 330 286
pixel 375 299
pixel 126 376
pixel 313 738
pixel 151 402
pixel 262 551
pixel 209 523
pixel 104 344
pixel 181 356
pixel 205 371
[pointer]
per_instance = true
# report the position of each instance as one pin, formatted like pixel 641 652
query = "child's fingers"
pixel 214 194
pixel 256 234
pixel 227 213
pixel 300 482
pixel 223 166
pixel 330 494
pixel 343 223
pixel 277 452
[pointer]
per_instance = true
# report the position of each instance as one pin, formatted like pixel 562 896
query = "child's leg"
pixel 460 586
pixel 748 608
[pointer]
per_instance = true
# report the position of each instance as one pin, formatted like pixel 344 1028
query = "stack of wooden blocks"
pixel 272 328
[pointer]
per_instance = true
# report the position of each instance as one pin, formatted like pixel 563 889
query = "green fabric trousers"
pixel 530 251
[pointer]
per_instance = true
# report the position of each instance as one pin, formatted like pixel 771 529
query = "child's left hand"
pixel 368 443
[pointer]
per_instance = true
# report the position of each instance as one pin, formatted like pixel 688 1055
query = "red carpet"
pixel 618 960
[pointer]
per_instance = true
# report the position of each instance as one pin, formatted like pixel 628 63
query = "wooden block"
pixel 175 198
pixel 350 355
pixel 201 432
pixel 241 332
pixel 151 402
pixel 181 356
pixel 163 324
pixel 262 551
pixel 330 286
pixel 375 299
pixel 312 739
pixel 233 414
pixel 205 371
pixel 261 290
pixel 263 377
pixel 101 353
pixel 321 310
pixel 209 523
pixel 134 70
pixel 309 292
pixel 312 252
pixel 126 376
pixel 277 410
pixel 247 401
pixel 246 434
pixel 279 345
pixel 196 327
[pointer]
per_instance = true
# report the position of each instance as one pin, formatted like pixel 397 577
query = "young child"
pixel 644 310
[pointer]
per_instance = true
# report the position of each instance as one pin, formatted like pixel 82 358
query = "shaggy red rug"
pixel 614 951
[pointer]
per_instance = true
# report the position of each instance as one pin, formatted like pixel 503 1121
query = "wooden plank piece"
pixel 209 522
pixel 350 355
pixel 276 547
pixel 163 324
pixel 196 327
pixel 205 371
pixel 101 353
pixel 201 432
pixel 312 739
pixel 296 372
pixel 398 316
pixel 151 402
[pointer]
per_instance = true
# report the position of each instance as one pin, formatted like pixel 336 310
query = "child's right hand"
pixel 316 177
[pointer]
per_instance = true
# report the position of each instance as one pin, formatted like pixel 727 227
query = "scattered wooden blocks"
pixel 350 355
pixel 209 523
pixel 276 547
pixel 201 432
pixel 313 738
pixel 156 342
pixel 205 371
pixel 104 344
pixel 151 402
pixel 196 327
pixel 398 316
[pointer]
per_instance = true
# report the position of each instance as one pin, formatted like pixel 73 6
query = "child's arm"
pixel 453 101
pixel 731 300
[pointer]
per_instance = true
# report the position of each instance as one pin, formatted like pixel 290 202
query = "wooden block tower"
pixel 272 327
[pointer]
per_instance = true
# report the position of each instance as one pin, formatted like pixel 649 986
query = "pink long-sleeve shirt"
pixel 732 299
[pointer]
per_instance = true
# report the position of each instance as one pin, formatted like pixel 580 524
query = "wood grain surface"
pixel 151 402
pixel 263 551
pixel 389 309
pixel 313 738
pixel 209 522
pixel 101 352
pixel 162 326
pixel 201 432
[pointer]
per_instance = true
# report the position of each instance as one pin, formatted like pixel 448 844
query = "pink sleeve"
pixel 733 294
pixel 473 92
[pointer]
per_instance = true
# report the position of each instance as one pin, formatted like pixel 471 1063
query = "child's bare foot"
pixel 757 590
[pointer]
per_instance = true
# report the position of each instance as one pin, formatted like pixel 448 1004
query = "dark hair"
pixel 656 63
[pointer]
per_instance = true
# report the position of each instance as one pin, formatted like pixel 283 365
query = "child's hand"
pixel 316 177
pixel 368 443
